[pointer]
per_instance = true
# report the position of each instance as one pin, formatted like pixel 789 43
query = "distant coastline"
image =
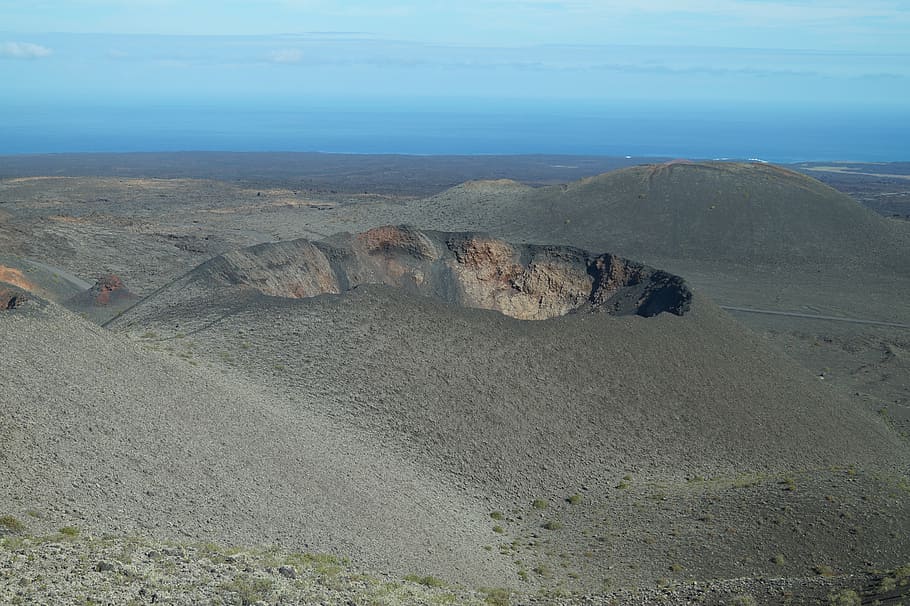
pixel 773 135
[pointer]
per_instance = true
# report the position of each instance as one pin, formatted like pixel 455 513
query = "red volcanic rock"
pixel 11 299
pixel 103 289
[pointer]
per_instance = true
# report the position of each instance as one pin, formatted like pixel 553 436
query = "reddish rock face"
pixel 105 287
pixel 391 239
pixel 472 270
pixel 490 275
pixel 11 299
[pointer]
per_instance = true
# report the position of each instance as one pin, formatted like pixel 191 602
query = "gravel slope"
pixel 626 412
pixel 103 434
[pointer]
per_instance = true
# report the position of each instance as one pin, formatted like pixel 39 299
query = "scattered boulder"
pixel 104 566
pixel 288 572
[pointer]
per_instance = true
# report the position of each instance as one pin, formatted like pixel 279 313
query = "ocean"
pixel 461 127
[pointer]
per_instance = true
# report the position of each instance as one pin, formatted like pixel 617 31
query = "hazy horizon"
pixel 780 78
pixel 500 127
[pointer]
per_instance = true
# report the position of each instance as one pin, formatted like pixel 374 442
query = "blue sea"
pixel 460 127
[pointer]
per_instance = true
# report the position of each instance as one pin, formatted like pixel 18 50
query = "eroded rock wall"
pixel 473 270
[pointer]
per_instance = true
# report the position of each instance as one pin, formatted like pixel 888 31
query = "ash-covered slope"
pixel 750 213
pixel 477 387
pixel 467 269
pixel 515 411
pixel 705 211
pixel 108 436
pixel 529 406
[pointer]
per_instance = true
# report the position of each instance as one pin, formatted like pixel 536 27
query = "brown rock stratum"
pixel 528 282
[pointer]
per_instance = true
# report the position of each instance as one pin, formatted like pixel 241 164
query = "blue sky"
pixel 770 52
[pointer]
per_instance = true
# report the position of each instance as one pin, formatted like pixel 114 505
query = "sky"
pixel 773 52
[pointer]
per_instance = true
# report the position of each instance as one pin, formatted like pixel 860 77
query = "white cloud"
pixel 286 55
pixel 23 50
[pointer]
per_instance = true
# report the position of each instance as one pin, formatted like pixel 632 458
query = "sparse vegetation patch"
pixel 11 524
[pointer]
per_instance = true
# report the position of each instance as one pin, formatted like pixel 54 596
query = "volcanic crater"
pixel 527 282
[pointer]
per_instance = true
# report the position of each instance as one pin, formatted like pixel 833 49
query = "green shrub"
pixel 743 600
pixel 498 597
pixel 575 499
pixel 552 525
pixel 498 529
pixel 542 570
pixel 69 531
pixel 844 597
pixel 779 559
pixel 746 481
pixel 823 570
pixel 539 504
pixel 496 515
pixel 250 589
pixel 11 524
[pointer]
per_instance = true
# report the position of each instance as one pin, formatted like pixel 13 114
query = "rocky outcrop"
pixel 107 297
pixel 106 287
pixel 473 270
pixel 11 298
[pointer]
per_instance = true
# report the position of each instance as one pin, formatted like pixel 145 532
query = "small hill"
pixel 107 297
pixel 747 213
pixel 741 213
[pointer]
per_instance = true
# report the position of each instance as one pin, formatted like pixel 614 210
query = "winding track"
pixel 74 280
pixel 793 314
